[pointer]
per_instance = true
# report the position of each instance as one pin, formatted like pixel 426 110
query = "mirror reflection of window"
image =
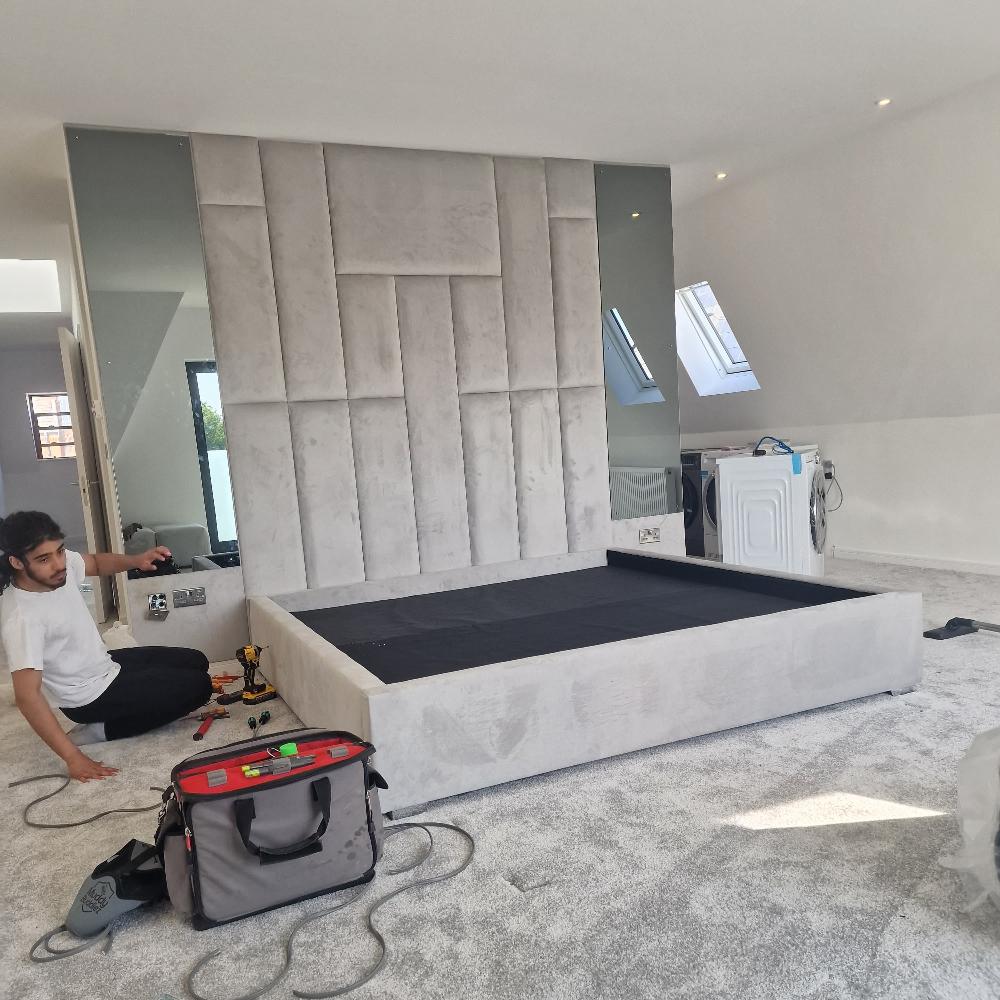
pixel 213 459
pixel 635 249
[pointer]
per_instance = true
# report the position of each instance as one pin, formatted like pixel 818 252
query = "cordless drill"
pixel 253 693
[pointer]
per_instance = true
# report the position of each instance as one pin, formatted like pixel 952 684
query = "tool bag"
pixel 244 829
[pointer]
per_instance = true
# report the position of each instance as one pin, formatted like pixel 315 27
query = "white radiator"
pixel 638 492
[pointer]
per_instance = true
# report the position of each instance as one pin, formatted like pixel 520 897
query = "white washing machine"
pixel 772 511
pixel 710 495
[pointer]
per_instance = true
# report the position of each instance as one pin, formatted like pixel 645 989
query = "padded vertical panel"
pixel 541 506
pixel 241 296
pixel 371 335
pixel 298 220
pixel 267 507
pixel 583 422
pixel 480 340
pixel 385 490
pixel 576 294
pixel 328 497
pixel 432 416
pixel 489 477
pixel 410 211
pixel 227 170
pixel 569 186
pixel 526 268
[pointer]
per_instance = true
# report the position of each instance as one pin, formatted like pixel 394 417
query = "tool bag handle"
pixel 246 813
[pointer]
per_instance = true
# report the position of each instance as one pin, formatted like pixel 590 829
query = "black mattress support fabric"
pixel 634 595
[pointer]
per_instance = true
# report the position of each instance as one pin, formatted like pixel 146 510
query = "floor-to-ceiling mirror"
pixel 140 239
pixel 635 238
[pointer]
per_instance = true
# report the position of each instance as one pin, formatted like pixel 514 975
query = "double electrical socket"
pixel 647 535
pixel 189 598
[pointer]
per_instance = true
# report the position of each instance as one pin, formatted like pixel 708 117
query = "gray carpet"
pixel 791 859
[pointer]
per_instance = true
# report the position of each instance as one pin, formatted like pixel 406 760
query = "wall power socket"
pixel 190 598
pixel 647 535
pixel 156 607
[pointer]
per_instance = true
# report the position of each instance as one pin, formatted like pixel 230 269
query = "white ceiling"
pixel 702 85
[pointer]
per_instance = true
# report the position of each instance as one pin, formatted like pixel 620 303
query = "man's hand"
pixel 82 768
pixel 146 561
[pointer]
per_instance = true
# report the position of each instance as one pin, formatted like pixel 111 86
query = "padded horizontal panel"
pixel 576 294
pixel 570 188
pixel 385 491
pixel 583 421
pixel 406 211
pixel 259 442
pixel 227 170
pixel 480 339
pixel 370 333
pixel 527 281
pixel 435 583
pixel 541 507
pixel 489 477
pixel 241 295
pixel 302 257
pixel 428 351
pixel 328 496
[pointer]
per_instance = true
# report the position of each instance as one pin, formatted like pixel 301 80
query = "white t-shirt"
pixel 54 632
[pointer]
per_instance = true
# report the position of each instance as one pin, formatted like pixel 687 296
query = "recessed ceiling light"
pixel 883 102
pixel 29 286
pixel 721 175
pixel 635 215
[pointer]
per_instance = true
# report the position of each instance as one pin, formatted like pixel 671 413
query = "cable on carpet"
pixel 28 821
pixel 106 935
pixel 374 969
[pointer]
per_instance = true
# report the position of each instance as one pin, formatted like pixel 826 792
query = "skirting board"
pixel 451 733
pixel 897 559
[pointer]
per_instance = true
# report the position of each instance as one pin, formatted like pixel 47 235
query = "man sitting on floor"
pixel 56 655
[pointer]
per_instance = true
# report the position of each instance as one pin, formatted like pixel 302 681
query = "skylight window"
pixel 707 346
pixel 625 368
pixel 29 286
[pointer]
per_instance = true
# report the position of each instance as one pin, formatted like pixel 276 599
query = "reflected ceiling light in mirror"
pixel 29 286
pixel 635 215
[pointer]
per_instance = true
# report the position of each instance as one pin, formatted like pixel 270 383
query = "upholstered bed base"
pixel 449 733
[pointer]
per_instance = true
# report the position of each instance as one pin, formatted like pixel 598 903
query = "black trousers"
pixel 156 684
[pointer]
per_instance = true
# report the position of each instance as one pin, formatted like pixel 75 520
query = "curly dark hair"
pixel 20 532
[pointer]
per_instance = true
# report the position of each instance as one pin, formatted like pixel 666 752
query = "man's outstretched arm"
pixel 109 563
pixel 32 705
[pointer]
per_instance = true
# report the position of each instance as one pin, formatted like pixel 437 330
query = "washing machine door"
pixel 817 511
pixel 712 499
pixel 690 499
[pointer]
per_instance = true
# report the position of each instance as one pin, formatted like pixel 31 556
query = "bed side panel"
pixel 456 732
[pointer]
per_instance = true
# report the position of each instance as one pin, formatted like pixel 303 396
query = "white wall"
pixel 862 282
pixel 28 483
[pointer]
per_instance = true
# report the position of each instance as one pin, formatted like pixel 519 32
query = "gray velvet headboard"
pixel 410 358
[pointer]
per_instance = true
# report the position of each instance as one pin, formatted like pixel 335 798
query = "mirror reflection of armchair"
pixel 185 541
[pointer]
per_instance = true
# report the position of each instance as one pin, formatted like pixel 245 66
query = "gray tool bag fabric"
pixel 253 826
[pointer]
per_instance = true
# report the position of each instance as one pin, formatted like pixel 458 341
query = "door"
pixel 86 463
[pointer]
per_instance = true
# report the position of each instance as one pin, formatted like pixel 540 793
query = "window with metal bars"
pixel 51 425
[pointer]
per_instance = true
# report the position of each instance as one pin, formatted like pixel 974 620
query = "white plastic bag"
pixel 978 859
pixel 118 637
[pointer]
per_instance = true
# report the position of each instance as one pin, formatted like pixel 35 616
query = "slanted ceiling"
pixel 409 350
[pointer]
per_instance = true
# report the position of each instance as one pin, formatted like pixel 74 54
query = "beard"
pixel 49 582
